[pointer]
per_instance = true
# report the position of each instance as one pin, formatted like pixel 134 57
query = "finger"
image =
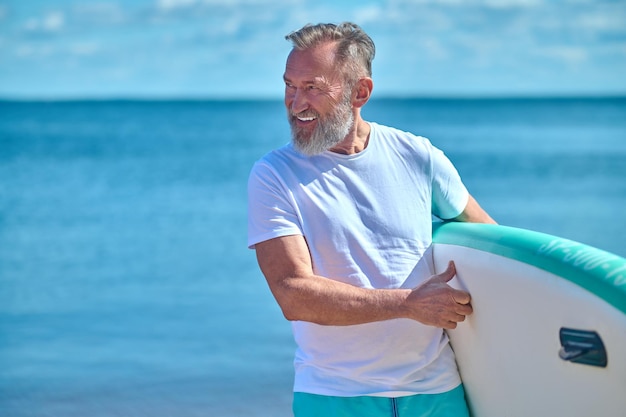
pixel 449 273
pixel 450 325
pixel 458 318
pixel 452 322
pixel 461 297
pixel 464 309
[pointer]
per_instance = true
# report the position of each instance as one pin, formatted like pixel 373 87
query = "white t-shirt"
pixel 367 220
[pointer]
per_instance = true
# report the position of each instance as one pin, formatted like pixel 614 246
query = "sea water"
pixel 126 288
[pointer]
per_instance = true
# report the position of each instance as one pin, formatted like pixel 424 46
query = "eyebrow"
pixel 319 80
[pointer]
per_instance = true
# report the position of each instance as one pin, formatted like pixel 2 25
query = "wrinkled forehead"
pixel 318 61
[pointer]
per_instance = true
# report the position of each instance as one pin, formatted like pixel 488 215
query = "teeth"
pixel 305 116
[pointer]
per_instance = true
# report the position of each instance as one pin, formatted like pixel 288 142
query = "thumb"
pixel 449 273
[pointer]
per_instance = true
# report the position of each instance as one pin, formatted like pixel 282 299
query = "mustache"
pixel 306 113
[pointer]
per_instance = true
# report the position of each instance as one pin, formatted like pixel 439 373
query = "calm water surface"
pixel 126 288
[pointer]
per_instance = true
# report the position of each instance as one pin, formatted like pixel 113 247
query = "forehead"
pixel 313 63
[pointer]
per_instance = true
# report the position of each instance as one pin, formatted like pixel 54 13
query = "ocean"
pixel 126 287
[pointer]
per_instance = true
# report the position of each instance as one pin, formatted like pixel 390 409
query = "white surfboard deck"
pixel 525 287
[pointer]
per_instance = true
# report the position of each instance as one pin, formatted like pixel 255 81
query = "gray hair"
pixel 355 49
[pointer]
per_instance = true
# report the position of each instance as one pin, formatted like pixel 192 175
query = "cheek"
pixel 336 98
pixel 325 103
pixel 288 98
pixel 290 94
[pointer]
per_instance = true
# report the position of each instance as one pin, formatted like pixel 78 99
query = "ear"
pixel 362 92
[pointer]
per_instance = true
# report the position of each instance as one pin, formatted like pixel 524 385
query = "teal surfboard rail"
pixel 599 272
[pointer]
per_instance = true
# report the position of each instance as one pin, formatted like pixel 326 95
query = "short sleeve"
pixel 271 213
pixel 449 194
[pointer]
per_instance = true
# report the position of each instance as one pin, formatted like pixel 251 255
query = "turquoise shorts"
pixel 447 404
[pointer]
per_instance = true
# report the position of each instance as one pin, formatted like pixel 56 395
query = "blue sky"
pixel 236 48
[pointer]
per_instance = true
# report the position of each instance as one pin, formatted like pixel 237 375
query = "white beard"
pixel 328 132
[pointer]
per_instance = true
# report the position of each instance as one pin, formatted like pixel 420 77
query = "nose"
pixel 296 101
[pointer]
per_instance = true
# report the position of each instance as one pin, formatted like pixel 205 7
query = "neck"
pixel 357 139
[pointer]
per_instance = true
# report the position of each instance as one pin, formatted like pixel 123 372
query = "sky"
pixel 59 49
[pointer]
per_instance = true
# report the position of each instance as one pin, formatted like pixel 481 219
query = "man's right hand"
pixel 436 303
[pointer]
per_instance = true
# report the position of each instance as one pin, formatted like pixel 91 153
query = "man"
pixel 341 222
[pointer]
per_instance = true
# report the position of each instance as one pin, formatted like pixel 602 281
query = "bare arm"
pixel 302 295
pixel 474 213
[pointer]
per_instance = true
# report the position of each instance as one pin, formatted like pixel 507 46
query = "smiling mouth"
pixel 306 116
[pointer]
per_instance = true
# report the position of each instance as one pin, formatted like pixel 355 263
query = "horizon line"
pixel 252 98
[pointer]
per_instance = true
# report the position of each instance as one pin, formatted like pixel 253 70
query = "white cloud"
pixel 434 48
pixel 603 21
pixel 567 54
pixel 499 4
pixel 240 3
pixel 367 14
pixel 168 5
pixel 84 48
pixel 24 51
pixel 507 4
pixel 191 40
pixel 37 51
pixel 32 24
pixel 52 22
pixel 99 13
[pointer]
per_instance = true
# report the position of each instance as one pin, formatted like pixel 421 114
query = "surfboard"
pixel 548 334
